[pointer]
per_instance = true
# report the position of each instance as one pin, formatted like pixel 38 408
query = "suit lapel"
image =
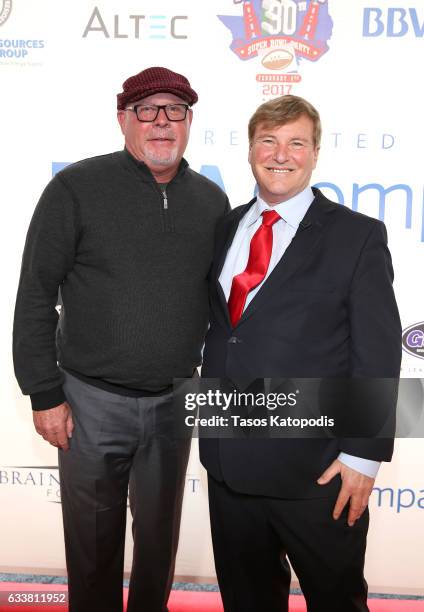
pixel 223 243
pixel 227 236
pixel 307 237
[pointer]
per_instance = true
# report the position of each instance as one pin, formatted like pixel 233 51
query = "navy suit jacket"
pixel 326 310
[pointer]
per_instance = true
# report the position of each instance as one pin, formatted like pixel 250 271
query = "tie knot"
pixel 269 217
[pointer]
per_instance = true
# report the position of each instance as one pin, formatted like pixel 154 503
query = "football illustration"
pixel 277 59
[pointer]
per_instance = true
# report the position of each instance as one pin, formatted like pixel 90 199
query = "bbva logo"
pixel 392 22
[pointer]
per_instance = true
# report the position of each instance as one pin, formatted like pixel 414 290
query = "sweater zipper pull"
pixel 165 200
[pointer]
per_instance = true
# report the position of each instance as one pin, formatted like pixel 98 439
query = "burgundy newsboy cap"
pixel 154 80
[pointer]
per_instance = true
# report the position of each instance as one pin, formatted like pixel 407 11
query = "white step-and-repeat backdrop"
pixel 359 62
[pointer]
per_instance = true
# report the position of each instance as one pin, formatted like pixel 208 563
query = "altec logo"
pixel 393 22
pixel 136 26
pixel 413 340
pixel 281 33
pixel 5 10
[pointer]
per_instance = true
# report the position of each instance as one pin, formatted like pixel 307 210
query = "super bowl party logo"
pixel 279 35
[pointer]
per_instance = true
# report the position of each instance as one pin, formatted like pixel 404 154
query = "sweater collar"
pixel 143 170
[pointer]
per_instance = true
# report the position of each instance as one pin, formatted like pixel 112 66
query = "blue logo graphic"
pixel 18 48
pixel 413 340
pixel 392 22
pixel 398 499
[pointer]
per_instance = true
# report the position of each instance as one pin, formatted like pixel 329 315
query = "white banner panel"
pixel 359 63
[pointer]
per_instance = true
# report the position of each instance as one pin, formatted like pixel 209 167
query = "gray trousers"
pixel 119 444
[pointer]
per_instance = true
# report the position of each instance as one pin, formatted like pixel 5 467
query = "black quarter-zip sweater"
pixel 131 263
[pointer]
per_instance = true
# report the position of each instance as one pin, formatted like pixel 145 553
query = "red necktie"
pixel 257 266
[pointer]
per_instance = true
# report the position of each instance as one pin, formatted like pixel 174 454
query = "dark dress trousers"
pixel 326 310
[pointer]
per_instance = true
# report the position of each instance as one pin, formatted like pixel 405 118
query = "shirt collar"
pixel 292 210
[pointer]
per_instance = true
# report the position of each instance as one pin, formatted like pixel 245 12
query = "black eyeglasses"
pixel 149 112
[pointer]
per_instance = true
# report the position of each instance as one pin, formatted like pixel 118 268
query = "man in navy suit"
pixel 301 287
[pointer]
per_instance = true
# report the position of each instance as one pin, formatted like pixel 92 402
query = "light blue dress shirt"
pixel 291 212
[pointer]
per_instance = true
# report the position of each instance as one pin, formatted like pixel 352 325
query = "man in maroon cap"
pixel 128 239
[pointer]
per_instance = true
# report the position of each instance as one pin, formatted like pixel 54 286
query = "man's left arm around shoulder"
pixel 375 337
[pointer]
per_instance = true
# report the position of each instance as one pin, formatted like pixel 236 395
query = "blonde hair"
pixel 283 110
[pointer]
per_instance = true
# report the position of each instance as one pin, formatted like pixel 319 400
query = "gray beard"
pixel 162 161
